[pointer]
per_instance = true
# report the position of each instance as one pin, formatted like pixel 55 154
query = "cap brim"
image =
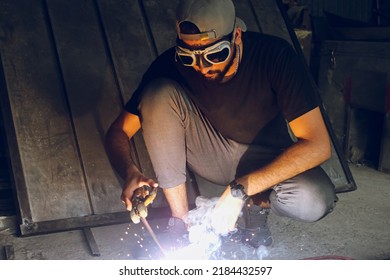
pixel 240 23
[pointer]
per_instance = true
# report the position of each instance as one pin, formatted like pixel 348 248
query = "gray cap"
pixel 214 18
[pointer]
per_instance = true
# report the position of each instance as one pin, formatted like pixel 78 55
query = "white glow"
pixel 262 252
pixel 205 235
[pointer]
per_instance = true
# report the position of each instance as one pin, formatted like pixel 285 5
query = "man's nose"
pixel 202 65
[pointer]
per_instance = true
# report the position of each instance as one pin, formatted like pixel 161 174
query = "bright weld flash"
pixel 206 224
pixel 224 217
pixel 205 242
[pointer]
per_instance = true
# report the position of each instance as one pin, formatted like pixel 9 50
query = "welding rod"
pixel 150 230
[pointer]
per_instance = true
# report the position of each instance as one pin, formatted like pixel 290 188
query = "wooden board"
pixel 160 17
pixel 92 93
pixel 46 162
pixel 132 51
pixel 270 19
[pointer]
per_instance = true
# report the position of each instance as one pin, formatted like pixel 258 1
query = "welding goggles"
pixel 215 54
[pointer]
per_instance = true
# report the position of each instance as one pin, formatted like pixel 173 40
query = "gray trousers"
pixel 177 136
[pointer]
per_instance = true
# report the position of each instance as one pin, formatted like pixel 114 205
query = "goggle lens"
pixel 218 57
pixel 186 60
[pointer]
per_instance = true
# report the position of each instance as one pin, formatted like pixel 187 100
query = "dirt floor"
pixel 359 228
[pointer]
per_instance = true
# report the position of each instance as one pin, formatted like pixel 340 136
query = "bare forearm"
pixel 119 151
pixel 300 157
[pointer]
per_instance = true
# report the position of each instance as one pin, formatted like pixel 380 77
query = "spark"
pixel 205 237
pixel 206 240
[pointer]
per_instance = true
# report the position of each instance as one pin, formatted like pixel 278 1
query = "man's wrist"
pixel 130 170
pixel 238 190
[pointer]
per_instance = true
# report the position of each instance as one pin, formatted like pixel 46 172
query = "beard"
pixel 217 76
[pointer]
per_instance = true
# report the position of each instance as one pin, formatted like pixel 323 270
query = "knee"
pixel 304 200
pixel 159 95
pixel 316 203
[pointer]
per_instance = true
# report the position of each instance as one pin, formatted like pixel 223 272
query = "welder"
pixel 236 108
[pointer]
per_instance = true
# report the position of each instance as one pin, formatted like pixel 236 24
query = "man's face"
pixel 211 58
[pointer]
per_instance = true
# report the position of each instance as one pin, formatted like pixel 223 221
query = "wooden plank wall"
pixel 49 174
pixel 67 68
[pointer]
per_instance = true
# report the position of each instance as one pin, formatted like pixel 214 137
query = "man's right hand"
pixel 225 213
pixel 133 182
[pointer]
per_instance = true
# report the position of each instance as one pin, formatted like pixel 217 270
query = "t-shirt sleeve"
pixel 291 84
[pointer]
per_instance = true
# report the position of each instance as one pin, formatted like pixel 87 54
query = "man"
pixel 235 108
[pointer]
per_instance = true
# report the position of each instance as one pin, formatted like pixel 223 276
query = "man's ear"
pixel 238 34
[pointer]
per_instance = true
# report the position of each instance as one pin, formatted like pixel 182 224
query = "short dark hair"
pixel 187 27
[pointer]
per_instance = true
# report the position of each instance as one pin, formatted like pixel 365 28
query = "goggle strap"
pixel 202 36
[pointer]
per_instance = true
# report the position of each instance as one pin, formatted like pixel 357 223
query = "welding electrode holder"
pixel 142 197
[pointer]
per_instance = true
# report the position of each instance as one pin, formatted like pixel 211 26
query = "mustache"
pixel 213 72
